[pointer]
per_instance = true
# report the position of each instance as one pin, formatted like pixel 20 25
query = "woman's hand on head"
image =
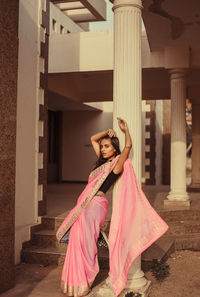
pixel 111 133
pixel 122 124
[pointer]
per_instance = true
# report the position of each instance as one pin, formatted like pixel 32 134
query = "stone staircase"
pixel 43 248
pixel 183 233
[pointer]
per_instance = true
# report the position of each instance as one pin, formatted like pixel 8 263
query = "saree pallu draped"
pixel 134 227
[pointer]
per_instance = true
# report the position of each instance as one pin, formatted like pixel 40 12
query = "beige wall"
pixel 78 157
pixel 85 51
pixel 28 159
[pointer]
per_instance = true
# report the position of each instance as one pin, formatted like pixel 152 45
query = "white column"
pixel 127 98
pixel 195 184
pixel 178 196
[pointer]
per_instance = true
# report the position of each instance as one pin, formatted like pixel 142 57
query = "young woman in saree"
pixel 134 223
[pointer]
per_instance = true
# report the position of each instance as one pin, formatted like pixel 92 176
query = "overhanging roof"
pixel 172 22
pixel 83 10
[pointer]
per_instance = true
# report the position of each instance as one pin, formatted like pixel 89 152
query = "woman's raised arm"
pixel 96 137
pixel 128 145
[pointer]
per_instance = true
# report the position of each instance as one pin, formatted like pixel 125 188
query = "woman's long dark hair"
pixel 115 143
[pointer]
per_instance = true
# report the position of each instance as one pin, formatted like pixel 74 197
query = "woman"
pixel 134 223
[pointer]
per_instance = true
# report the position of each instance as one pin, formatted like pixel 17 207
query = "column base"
pixel 144 290
pixel 176 204
pixel 136 282
pixel 104 290
pixel 178 196
pixel 177 200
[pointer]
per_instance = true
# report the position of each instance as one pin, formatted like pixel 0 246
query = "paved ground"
pixel 184 279
pixel 34 280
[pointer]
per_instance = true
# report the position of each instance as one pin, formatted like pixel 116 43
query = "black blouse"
pixel 111 178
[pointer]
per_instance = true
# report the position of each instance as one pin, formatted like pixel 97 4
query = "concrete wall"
pixel 58 19
pixel 28 127
pixel 78 156
pixel 9 14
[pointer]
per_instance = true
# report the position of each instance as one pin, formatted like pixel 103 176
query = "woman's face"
pixel 107 149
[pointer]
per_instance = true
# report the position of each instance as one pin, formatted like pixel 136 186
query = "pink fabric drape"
pixel 134 227
pixel 81 264
pixel 95 180
pixel 85 219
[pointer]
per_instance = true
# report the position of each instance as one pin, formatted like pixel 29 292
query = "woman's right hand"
pixel 122 124
pixel 111 133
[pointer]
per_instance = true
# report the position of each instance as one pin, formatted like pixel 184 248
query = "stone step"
pixel 186 242
pixel 44 255
pixel 183 233
pixel 56 256
pixel 175 228
pixel 53 223
pixel 44 238
pixel 160 250
pixel 179 215
pixel 183 227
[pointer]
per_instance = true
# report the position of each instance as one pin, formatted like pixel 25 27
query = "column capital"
pixel 127 3
pixel 177 73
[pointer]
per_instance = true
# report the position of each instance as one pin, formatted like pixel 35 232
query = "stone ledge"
pixel 195 189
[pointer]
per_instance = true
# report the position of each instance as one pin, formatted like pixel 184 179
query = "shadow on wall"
pixel 78 157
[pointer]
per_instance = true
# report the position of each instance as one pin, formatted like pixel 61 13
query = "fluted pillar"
pixel 178 196
pixel 127 98
pixel 195 184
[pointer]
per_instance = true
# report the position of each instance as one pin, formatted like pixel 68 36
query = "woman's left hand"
pixel 111 133
pixel 122 124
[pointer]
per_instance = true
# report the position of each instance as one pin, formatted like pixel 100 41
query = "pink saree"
pixel 134 227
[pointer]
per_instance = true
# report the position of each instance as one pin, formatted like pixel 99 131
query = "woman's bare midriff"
pixel 100 193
